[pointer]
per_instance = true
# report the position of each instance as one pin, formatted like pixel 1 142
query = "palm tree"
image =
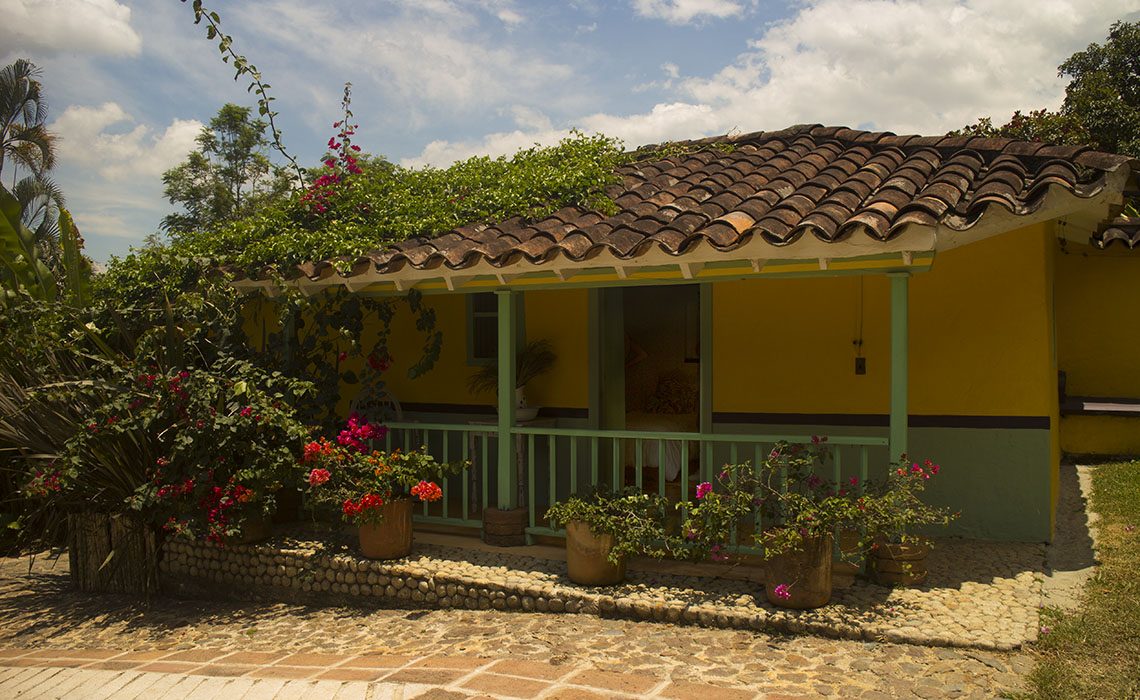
pixel 40 203
pixel 23 111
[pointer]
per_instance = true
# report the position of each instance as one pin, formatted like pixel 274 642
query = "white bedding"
pixel 660 423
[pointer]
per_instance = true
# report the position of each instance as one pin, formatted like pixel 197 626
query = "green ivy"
pixel 385 204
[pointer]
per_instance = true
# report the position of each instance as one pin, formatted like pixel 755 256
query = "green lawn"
pixel 1095 653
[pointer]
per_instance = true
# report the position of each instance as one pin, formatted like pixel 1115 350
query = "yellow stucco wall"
pixel 562 317
pixel 980 337
pixel 558 316
pixel 1098 335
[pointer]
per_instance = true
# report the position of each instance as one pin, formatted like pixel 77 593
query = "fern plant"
pixel 532 360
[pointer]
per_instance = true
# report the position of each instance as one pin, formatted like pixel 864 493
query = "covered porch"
pixel 550 457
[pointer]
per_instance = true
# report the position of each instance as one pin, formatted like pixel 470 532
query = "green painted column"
pixel 706 323
pixel 594 340
pixel 900 366
pixel 612 378
pixel 705 408
pixel 508 350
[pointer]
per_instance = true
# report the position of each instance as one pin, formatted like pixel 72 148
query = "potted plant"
pixel 373 490
pixel 801 511
pixel 604 529
pixel 894 507
pixel 533 359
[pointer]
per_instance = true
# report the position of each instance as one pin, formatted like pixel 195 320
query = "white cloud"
pixel 88 141
pixel 68 26
pixel 900 65
pixel 665 122
pixel 111 169
pixel 686 11
pixel 503 10
pixel 426 56
pixel 904 65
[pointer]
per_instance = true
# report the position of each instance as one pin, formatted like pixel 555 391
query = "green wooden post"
pixel 706 324
pixel 508 341
pixel 613 359
pixel 594 332
pixel 706 366
pixel 900 415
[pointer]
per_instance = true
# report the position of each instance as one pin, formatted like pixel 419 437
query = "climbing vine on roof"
pixel 381 203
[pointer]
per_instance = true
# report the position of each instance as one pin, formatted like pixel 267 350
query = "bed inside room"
pixel 662 380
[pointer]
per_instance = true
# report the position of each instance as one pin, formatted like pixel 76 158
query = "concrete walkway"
pixel 207 674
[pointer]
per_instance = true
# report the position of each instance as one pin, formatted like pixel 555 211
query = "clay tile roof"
pixel 1123 229
pixel 807 180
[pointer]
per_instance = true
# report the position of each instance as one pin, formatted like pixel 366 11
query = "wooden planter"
pixel 899 564
pixel 112 554
pixel 805 573
pixel 392 538
pixel 587 557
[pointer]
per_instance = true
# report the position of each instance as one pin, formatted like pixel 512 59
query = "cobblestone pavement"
pixel 39 613
pixel 978 595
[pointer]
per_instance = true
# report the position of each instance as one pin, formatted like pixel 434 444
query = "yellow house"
pixel 931 296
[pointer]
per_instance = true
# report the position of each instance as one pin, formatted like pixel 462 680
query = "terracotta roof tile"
pixel 827 182
pixel 1123 230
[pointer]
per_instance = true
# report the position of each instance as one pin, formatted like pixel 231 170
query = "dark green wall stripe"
pixel 882 420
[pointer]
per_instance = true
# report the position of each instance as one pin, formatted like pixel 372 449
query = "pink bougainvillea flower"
pixel 318 477
pixel 703 489
pixel 246 412
pixel 716 553
pixel 782 591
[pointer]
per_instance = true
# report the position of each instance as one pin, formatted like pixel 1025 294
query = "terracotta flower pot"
pixel 587 557
pixel 801 580
pixel 899 564
pixel 392 537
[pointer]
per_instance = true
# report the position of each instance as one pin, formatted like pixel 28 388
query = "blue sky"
pixel 130 83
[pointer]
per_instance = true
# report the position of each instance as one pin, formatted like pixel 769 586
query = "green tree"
pixel 23 137
pixel 1102 100
pixel 227 178
pixel 26 142
pixel 41 202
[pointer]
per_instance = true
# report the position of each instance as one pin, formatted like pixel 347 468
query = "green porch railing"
pixel 620 458
pixel 554 463
pixel 467 494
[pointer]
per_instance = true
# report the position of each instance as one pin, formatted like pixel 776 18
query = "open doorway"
pixel 662 371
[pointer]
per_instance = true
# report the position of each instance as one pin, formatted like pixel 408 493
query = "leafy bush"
pixel 194 451
pixel 636 520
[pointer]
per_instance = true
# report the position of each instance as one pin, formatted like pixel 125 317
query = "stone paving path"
pixel 590 656
pixel 981 595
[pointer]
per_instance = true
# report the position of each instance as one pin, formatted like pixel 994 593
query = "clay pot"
pixel 392 537
pixel 587 557
pixel 899 564
pixel 806 573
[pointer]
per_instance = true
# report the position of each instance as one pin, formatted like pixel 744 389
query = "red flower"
pixel 318 477
pixel 427 491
